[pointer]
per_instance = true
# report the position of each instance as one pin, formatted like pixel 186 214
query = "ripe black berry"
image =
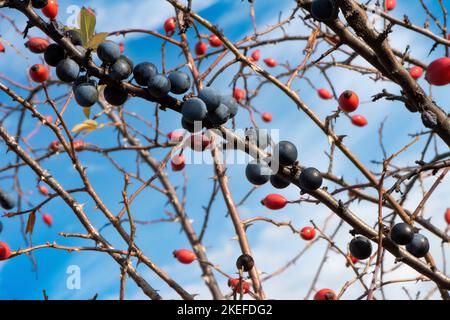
pixel 231 103
pixel 194 109
pixel 360 248
pixel 310 179
pixel 85 92
pixel 245 262
pixel 324 10
pixel 279 182
pixel 419 246
pixel 6 200
pixel 143 72
pixel 180 82
pixel 115 96
pixel 67 70
pixel 258 173
pixel 286 152
pixel 75 37
pixel 211 97
pixel 120 70
pixel 39 4
pixel 220 115
pixel 402 234
pixel 54 54
pixel 159 86
pixel 189 126
pixel 108 52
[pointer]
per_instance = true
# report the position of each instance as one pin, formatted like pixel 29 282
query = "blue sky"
pixel 272 247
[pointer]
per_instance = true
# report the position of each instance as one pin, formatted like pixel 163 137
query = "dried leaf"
pixel 30 223
pixel 87 112
pixel 87 126
pixel 96 40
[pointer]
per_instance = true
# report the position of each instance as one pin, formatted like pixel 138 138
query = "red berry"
pixel 274 201
pixel 170 26
pixel 37 45
pixel 200 48
pixel 438 72
pixel 51 9
pixel 175 136
pixel 49 119
pixel 39 73
pixel 256 55
pixel 448 36
pixel 122 47
pixel 270 62
pixel 234 285
pixel 53 146
pixel 239 94
pixel 2 47
pixel 447 216
pixel 348 101
pixel 353 259
pixel 325 294
pixel 390 4
pixel 267 117
pixel 79 144
pixel 308 233
pixel 184 256
pixel 199 142
pixel 359 120
pixel 416 72
pixel 324 94
pixel 48 219
pixel 43 190
pixel 178 162
pixel 214 41
pixel 5 252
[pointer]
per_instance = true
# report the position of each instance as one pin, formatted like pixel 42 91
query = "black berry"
pixel 279 182
pixel 143 72
pixel 324 10
pixel 54 54
pixel 402 234
pixel 75 37
pixel 286 152
pixel 360 248
pixel 6 200
pixel 419 246
pixel 67 70
pixel 245 262
pixel 310 179
pixel 115 96
pixel 258 173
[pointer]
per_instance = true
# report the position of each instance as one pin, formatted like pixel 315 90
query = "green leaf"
pixel 96 40
pixel 87 23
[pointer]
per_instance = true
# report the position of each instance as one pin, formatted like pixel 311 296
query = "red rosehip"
pixel 178 162
pixel 2 47
pixel 447 216
pixel 274 201
pixel 348 101
pixel 416 72
pixel 43 190
pixel 175 136
pixel 234 285
pixel 5 252
pixel 359 120
pixel 184 256
pixel 390 4
pixel 37 45
pixel 325 294
pixel 270 62
pixel 308 233
pixel 438 72
pixel 170 26
pixel 199 142
pixel 214 41
pixel 48 219
pixel 200 48
pixel 256 55
pixel 51 9
pixel 122 47
pixel 53 146
pixel 79 144
pixel 239 94
pixel 39 73
pixel 324 94
pixel 267 117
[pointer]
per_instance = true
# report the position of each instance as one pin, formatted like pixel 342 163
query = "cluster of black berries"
pixel 210 107
pixel 284 154
pixel 404 235
pixel 118 66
